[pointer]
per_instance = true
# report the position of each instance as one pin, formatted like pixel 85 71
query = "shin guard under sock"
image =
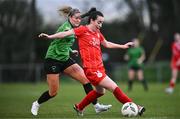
pixel 171 84
pixel 88 88
pixel 91 96
pixel 120 96
pixel 44 97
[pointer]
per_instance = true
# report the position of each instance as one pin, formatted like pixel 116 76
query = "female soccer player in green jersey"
pixel 135 57
pixel 58 61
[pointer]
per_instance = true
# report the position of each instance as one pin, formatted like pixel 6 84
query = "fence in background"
pixel 21 72
pixel 156 72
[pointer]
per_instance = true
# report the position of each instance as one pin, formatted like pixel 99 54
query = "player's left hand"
pixel 140 61
pixel 129 44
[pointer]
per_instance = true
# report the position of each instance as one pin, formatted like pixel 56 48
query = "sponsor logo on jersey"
pixel 94 42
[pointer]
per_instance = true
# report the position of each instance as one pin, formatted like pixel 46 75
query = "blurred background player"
pixel 135 57
pixel 175 63
pixel 58 61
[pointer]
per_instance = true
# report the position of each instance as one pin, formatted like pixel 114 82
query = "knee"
pixel 112 88
pixel 84 81
pixel 102 91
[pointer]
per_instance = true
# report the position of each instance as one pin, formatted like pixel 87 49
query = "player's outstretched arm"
pixel 108 44
pixel 56 35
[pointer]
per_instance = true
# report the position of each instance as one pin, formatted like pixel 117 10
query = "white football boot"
pixel 101 108
pixel 35 108
pixel 169 90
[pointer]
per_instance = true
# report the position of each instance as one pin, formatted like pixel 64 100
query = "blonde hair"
pixel 64 11
pixel 67 11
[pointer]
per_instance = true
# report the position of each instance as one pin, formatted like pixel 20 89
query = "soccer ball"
pixel 129 109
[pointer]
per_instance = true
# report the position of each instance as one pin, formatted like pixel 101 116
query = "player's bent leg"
pixel 101 107
pixel 131 75
pixel 77 73
pixel 118 93
pixel 172 82
pixel 108 84
pixel 89 98
pixel 53 82
pixel 36 104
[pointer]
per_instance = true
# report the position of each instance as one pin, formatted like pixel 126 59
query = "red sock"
pixel 120 96
pixel 90 97
pixel 172 84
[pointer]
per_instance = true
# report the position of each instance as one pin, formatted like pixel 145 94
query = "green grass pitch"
pixel 16 100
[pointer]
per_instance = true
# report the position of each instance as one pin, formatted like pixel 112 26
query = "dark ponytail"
pixel 89 12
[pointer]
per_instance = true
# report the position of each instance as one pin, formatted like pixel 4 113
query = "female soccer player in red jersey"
pixel 89 41
pixel 58 61
pixel 175 63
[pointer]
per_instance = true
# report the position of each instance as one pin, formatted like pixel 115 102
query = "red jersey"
pixel 89 47
pixel 175 54
pixel 175 51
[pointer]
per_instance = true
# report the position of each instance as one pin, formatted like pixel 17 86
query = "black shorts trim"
pixel 52 66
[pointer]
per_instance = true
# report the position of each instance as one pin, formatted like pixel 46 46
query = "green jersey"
pixel 59 48
pixel 134 54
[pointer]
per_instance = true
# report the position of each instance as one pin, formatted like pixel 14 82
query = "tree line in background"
pixel 20 22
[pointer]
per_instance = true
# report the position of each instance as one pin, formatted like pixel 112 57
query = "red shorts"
pixel 174 66
pixel 95 75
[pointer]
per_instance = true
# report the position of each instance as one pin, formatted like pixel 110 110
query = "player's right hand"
pixel 43 35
